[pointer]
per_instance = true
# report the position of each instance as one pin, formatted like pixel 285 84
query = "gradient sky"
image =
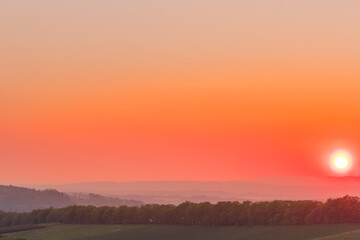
pixel 132 90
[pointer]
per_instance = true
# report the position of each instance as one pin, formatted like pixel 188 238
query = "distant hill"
pixel 175 192
pixel 99 200
pixel 20 199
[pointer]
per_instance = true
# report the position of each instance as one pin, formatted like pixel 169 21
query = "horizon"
pixel 260 180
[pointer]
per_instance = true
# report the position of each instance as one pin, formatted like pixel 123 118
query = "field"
pixel 159 232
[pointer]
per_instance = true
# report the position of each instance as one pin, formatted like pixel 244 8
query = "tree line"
pixel 278 212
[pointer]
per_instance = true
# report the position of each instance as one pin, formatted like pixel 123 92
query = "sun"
pixel 341 161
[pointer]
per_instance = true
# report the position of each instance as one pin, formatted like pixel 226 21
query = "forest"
pixel 278 212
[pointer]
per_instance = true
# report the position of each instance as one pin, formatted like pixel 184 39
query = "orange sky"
pixel 176 90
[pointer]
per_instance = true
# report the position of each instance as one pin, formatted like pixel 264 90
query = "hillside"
pixel 20 199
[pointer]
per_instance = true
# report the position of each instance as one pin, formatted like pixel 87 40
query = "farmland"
pixel 159 232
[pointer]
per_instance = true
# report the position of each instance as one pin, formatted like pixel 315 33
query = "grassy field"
pixel 161 232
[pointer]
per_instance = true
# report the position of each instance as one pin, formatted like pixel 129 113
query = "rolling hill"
pixel 20 199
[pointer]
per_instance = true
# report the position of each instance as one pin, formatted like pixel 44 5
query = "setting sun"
pixel 341 161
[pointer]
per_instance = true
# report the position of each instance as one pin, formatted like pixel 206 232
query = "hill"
pixel 98 200
pixel 176 192
pixel 20 199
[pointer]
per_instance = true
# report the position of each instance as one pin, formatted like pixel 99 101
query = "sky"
pixel 137 90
